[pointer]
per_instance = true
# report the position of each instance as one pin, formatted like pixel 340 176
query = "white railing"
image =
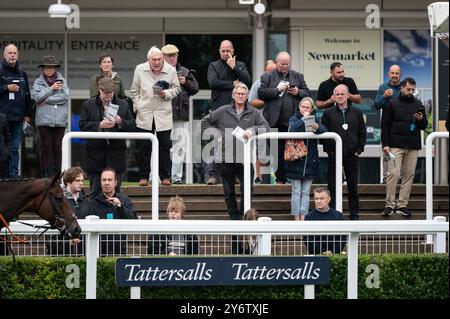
pixel 93 228
pixel 67 155
pixel 429 170
pixel 429 174
pixel 276 136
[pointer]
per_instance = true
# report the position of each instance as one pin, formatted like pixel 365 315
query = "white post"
pixel 67 157
pixel 92 253
pixel 429 175
pixel 309 291
pixel 429 170
pixel 439 243
pixel 264 240
pixel 352 265
pixel 135 292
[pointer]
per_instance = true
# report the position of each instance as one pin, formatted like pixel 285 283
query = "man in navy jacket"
pixel 15 101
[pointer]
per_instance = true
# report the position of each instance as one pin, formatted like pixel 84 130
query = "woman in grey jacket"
pixel 51 93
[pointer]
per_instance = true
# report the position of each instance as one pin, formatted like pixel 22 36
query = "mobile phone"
pixel 59 81
pixel 291 86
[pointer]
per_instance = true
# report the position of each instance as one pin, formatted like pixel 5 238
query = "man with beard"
pixel 386 93
pixel 325 97
pixel 401 124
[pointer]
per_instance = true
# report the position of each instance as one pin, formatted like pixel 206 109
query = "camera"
pixel 291 86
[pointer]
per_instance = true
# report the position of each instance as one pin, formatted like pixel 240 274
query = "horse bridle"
pixel 57 222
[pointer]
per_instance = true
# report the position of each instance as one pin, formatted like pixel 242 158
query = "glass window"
pixel 197 51
pixel 277 42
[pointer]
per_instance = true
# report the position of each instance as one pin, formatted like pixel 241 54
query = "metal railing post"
pixel 429 175
pixel 439 242
pixel 67 157
pixel 352 265
pixel 264 240
pixel 92 253
pixel 274 135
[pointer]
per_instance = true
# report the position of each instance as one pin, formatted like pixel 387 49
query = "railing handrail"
pixel 429 170
pixel 284 135
pixel 67 155
pixel 93 227
pixel 140 226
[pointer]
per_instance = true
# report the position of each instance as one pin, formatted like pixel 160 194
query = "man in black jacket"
pixel 348 122
pixel 401 124
pixel 15 102
pixel 103 152
pixel 5 146
pixel 223 75
pixel 281 90
pixel 110 204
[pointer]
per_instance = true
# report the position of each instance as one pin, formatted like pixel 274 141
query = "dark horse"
pixel 43 197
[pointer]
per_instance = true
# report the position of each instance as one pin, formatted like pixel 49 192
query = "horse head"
pixel 55 208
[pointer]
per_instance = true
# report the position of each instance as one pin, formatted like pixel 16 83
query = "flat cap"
pixel 169 49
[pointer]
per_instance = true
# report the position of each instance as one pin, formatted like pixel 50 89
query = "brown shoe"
pixel 211 181
pixel 166 182
pixel 143 182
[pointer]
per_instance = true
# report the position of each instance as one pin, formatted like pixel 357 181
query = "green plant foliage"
pixel 400 276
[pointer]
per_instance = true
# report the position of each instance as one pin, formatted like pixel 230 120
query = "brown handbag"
pixel 294 149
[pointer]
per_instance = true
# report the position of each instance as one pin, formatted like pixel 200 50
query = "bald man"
pixel 389 90
pixel 281 90
pixel 223 75
pixel 15 101
pixel 348 122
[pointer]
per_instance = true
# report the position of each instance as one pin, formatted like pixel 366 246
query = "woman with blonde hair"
pixel 304 170
pixel 174 245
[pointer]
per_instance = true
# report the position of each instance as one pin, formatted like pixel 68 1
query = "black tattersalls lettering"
pixel 356 56
pixel 27 45
pixel 104 45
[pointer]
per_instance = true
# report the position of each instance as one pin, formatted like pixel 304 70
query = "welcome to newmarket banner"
pixel 358 50
pixel 214 271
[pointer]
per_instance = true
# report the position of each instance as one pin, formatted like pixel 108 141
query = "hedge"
pixel 401 276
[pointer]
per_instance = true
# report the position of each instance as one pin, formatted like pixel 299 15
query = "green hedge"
pixel 401 276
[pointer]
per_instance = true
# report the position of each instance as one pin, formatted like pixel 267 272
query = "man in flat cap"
pixel 180 111
pixel 105 113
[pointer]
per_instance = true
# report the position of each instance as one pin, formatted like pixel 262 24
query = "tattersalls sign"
pixel 359 52
pixel 214 271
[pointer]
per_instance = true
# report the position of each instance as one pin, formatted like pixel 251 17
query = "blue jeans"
pixel 16 130
pixel 300 196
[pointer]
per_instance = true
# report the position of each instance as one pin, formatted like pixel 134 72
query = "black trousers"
pixel 228 171
pixel 280 173
pixel 4 169
pixel 351 170
pixel 145 152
